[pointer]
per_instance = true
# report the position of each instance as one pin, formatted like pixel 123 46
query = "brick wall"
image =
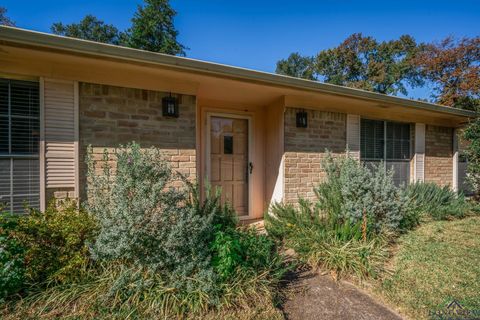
pixel 110 116
pixel 439 155
pixel 305 147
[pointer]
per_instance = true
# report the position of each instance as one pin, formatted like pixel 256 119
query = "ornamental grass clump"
pixel 438 203
pixel 347 228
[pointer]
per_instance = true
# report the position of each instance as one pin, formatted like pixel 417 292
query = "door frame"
pixel 209 116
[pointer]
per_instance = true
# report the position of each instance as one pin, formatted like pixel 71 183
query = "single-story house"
pixel 260 136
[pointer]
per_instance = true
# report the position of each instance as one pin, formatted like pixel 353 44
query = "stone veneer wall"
pixel 305 147
pixel 439 155
pixel 110 116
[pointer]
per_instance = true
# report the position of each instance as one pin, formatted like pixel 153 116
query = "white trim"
pixel 353 135
pixel 76 139
pixel 455 161
pixel 43 196
pixel 419 158
pixel 209 115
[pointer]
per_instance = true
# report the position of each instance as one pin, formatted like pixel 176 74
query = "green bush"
pixel 12 269
pixel 147 222
pixel 342 247
pixel 236 250
pixel 55 242
pixel 156 228
pixel 345 230
pixel 350 190
pixel 437 202
pixel 472 152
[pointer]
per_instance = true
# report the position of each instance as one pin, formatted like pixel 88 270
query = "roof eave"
pixel 34 38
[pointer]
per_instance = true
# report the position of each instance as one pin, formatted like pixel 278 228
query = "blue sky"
pixel 255 34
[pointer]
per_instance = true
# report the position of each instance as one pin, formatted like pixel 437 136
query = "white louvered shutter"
pixel 419 163
pixel 353 135
pixel 455 161
pixel 60 134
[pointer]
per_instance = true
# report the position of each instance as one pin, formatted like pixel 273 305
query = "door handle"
pixel 250 167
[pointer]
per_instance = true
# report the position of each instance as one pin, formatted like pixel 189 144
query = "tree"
pixel 472 135
pixel 153 29
pixel 454 69
pixel 4 20
pixel 362 62
pixel 89 28
pixel 296 66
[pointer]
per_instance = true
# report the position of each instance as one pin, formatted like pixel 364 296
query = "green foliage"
pixel 351 189
pixel 341 247
pixel 296 65
pixel 361 62
pixel 146 295
pixel 242 250
pixel 472 135
pixel 4 20
pixel 89 28
pixel 12 269
pixel 440 203
pixel 347 229
pixel 153 29
pixel 146 221
pixel 55 242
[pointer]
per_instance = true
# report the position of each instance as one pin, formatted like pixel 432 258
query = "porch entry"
pixel 228 159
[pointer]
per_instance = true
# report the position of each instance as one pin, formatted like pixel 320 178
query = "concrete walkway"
pixel 315 296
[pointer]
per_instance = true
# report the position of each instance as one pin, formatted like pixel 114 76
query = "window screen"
pixel 388 142
pixel 19 143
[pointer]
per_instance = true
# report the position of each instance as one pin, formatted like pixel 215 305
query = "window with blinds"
pixel 19 144
pixel 388 142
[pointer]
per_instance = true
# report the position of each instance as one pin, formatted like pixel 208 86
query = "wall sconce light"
pixel 170 106
pixel 302 119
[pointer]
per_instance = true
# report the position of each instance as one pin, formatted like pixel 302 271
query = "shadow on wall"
pixel 110 116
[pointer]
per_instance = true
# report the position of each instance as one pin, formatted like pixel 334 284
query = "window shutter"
pixel 419 162
pixel 60 134
pixel 353 135
pixel 455 161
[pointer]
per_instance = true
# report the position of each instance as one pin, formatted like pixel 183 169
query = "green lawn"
pixel 436 263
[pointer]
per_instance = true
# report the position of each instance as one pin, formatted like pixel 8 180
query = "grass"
pixel 435 263
pixel 247 296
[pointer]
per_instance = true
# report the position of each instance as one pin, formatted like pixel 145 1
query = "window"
pixel 19 144
pixel 388 142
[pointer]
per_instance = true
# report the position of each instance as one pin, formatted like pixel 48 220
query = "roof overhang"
pixel 53 43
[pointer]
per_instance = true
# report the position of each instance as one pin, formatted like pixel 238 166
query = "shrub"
pixel 437 202
pixel 346 230
pixel 341 247
pixel 153 219
pixel 472 135
pixel 12 269
pixel 351 189
pixel 146 221
pixel 55 242
pixel 236 250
